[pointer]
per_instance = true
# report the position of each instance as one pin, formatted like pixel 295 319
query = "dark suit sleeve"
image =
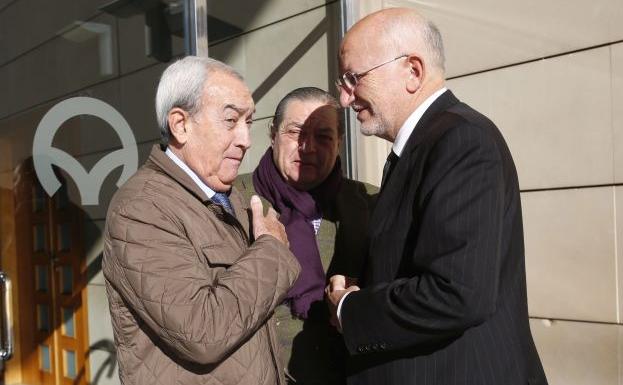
pixel 454 260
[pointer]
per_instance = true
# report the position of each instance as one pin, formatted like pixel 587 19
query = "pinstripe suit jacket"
pixel 444 291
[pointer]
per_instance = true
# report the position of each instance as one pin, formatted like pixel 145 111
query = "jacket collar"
pixel 409 125
pixel 423 127
pixel 168 166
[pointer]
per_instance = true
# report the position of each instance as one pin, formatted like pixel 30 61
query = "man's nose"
pixel 307 144
pixel 346 97
pixel 243 137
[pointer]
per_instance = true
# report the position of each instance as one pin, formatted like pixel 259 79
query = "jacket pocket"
pixel 220 254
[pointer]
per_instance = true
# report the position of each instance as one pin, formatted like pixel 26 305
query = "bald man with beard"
pixel 443 297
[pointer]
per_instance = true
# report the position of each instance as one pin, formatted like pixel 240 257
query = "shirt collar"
pixel 208 191
pixel 409 125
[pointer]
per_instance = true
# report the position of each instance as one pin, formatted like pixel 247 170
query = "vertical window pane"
pixel 70 364
pixel 44 358
pixel 62 199
pixel 67 279
pixel 43 318
pixel 39 237
pixel 64 236
pixel 42 278
pixel 68 322
pixel 39 197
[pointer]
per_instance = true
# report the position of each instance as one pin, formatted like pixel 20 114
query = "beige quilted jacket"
pixel 191 295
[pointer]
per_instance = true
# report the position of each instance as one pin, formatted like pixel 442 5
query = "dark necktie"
pixel 390 163
pixel 223 200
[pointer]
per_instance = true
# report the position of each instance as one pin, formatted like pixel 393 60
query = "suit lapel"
pixel 424 125
pixel 392 196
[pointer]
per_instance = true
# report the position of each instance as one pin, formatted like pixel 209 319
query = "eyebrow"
pixel 239 110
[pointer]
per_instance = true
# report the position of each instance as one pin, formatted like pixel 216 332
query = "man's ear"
pixel 273 132
pixel 179 124
pixel 416 75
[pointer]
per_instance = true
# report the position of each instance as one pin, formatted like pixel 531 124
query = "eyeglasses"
pixel 349 79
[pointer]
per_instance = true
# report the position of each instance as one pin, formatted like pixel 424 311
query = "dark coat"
pixel 444 296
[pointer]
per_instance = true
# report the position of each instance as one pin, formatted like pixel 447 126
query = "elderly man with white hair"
pixel 193 274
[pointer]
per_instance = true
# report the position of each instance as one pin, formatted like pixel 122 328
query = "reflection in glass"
pixel 44 358
pixel 42 278
pixel 70 364
pixel 43 319
pixel 163 20
pixel 64 236
pixel 61 197
pixel 39 198
pixel 68 322
pixel 80 32
pixel 39 237
pixel 67 279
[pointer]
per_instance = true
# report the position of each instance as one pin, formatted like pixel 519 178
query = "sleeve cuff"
pixel 339 308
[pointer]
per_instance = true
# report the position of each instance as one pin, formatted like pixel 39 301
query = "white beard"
pixel 376 125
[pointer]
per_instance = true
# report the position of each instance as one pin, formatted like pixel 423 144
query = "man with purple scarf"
pixel 325 216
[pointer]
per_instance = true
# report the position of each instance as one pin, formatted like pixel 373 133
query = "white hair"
pixel 182 85
pixel 434 43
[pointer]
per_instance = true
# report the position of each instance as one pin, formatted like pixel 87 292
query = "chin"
pixel 226 182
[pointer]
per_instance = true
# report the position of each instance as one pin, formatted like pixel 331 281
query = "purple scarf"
pixel 296 211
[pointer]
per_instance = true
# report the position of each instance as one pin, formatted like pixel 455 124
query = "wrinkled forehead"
pixel 223 89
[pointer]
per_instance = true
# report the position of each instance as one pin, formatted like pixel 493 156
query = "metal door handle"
pixel 6 350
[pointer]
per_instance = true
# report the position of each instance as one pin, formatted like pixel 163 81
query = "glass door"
pixel 42 251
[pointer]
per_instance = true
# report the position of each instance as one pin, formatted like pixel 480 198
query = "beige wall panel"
pixel 484 34
pixel 617 109
pixel 258 13
pixel 65 64
pixel 555 115
pixel 233 53
pixel 619 251
pixel 17 34
pixel 102 356
pixel 268 63
pixel 287 55
pixel 578 353
pixel 570 254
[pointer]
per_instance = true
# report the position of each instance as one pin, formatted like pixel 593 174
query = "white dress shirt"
pixel 208 191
